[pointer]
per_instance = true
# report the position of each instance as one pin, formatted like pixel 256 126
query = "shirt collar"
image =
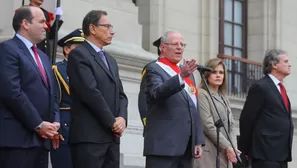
pixel 96 48
pixel 25 41
pixel 274 79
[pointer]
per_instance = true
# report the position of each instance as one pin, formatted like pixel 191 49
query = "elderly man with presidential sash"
pixel 173 132
pixel 61 157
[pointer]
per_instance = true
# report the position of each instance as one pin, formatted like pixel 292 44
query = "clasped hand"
pixel 119 126
pixel 50 131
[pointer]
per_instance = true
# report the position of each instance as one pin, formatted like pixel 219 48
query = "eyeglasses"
pixel 109 26
pixel 177 44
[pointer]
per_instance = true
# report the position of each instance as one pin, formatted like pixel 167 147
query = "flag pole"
pixel 56 34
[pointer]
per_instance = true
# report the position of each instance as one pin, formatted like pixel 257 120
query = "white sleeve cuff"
pixel 181 81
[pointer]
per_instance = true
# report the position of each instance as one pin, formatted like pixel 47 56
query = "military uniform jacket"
pixel 142 103
pixel 63 93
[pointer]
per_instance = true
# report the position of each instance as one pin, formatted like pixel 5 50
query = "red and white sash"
pixel 172 69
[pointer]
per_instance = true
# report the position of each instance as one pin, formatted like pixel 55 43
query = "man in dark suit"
pixel 61 157
pixel 29 111
pixel 99 104
pixel 173 133
pixel 266 128
pixel 142 103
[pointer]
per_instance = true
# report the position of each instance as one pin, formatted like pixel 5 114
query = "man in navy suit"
pixel 29 111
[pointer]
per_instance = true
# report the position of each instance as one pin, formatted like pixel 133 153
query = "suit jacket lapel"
pixel 98 59
pixel 44 62
pixel 217 97
pixel 111 65
pixel 28 54
pixel 276 91
pixel 26 51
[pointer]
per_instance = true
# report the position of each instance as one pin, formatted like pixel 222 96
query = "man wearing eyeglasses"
pixel 99 104
pixel 173 133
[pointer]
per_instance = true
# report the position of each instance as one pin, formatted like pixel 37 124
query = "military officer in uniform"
pixel 142 104
pixel 61 157
pixel 50 35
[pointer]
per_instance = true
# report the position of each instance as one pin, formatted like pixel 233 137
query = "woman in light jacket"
pixel 217 83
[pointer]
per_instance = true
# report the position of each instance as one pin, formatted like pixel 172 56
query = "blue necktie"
pixel 103 58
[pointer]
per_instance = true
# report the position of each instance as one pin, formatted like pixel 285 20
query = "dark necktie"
pixel 34 48
pixel 284 95
pixel 103 58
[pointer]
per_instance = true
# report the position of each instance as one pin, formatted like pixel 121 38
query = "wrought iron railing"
pixel 241 74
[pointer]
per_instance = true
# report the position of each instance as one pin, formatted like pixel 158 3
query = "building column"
pixel 208 30
pixel 151 16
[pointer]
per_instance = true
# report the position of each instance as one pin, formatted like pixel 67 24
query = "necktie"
pixel 34 48
pixel 284 95
pixel 103 58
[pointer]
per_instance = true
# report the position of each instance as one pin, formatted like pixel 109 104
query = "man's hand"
pixel 119 126
pixel 118 134
pixel 198 151
pixel 57 125
pixel 47 130
pixel 188 68
pixel 56 141
pixel 231 155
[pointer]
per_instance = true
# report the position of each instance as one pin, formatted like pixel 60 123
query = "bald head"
pixel 23 13
pixel 167 35
pixel 29 21
pixel 172 46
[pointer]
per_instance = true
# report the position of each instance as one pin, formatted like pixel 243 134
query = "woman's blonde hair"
pixel 213 63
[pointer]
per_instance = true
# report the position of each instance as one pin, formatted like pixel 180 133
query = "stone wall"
pixel 271 23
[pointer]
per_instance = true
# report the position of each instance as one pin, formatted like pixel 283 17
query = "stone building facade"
pixel 211 28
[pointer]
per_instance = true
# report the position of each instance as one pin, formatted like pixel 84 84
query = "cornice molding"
pixel 129 54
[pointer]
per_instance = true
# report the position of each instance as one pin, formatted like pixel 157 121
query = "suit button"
pixel 65 124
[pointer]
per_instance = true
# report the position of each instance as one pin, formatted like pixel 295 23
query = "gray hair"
pixel 165 36
pixel 271 57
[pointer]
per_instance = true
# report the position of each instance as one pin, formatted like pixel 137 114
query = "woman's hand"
pixel 231 155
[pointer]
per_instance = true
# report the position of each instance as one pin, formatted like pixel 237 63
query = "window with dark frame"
pixel 233 41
